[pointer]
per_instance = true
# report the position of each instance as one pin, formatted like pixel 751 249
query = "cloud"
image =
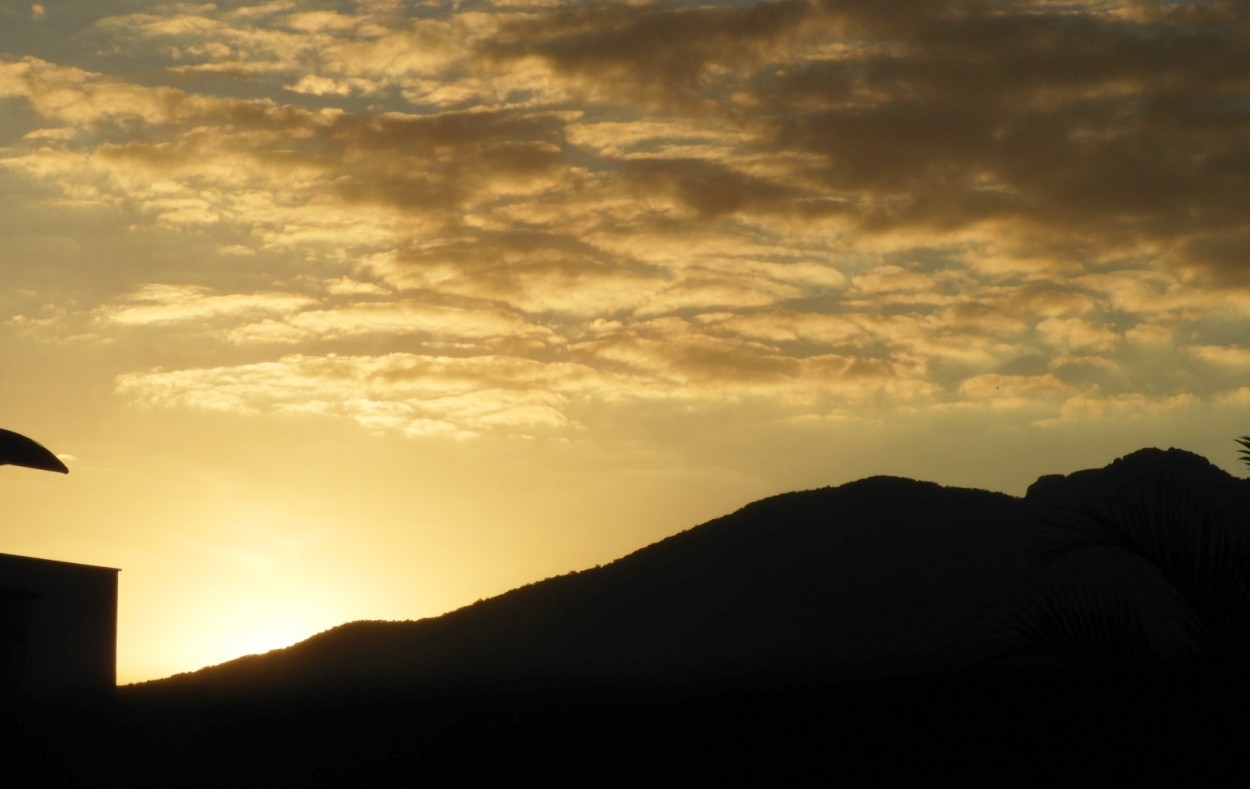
pixel 1015 391
pixel 164 304
pixel 446 325
pixel 909 126
pixel 805 204
pixel 1224 356
pixel 651 54
pixel 81 98
pixel 1239 397
pixel 1077 334
pixel 1132 405
pixel 414 394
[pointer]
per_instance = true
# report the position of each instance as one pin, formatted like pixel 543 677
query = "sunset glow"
pixel 368 310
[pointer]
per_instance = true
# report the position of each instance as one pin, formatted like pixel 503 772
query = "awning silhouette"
pixel 18 450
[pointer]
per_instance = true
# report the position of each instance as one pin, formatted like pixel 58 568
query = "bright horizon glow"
pixel 371 310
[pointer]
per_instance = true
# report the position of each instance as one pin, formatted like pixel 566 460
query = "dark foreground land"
pixel 1025 727
pixel 881 632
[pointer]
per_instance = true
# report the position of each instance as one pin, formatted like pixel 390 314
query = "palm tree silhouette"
pixel 1203 558
pixel 1205 562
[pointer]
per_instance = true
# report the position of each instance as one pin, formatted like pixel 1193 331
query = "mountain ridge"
pixel 882 576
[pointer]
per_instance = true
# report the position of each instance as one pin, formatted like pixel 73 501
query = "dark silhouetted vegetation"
pixel 1180 524
pixel 1079 626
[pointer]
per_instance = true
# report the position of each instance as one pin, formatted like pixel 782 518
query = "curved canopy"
pixel 18 450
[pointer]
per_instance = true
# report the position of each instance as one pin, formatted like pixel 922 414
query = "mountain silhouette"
pixel 883 577
pixel 880 632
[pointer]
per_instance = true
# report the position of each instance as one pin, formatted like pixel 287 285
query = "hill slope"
pixel 880 577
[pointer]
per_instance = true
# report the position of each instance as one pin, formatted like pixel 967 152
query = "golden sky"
pixel 344 310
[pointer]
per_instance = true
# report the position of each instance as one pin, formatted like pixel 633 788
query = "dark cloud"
pixel 442 160
pixel 662 52
pixel 1114 125
pixel 1224 258
pixel 1118 127
pixel 710 189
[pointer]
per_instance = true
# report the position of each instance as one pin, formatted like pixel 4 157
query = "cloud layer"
pixel 508 217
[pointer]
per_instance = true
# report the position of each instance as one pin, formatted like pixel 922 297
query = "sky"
pixel 368 310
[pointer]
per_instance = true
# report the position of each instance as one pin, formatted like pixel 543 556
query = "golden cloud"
pixel 160 304
pixel 806 203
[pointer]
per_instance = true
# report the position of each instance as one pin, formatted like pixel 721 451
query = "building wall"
pixel 58 627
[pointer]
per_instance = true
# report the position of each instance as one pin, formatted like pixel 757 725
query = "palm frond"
pixel 1245 451
pixel 1082 626
pixel 1207 568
